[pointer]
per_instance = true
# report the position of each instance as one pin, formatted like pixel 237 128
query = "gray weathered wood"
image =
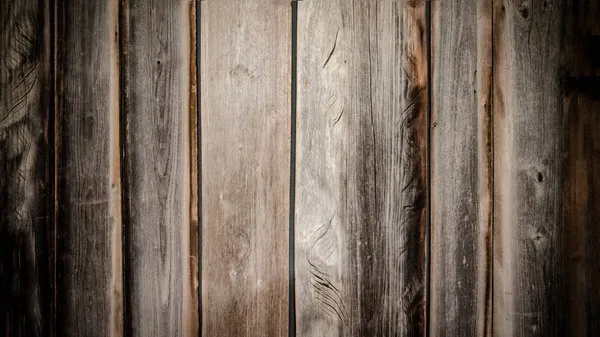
pixel 461 168
pixel 581 190
pixel 89 283
pixel 245 81
pixel 528 169
pixel 161 282
pixel 25 226
pixel 361 168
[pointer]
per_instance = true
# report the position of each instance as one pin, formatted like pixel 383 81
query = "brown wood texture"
pixel 361 168
pixel 25 182
pixel 245 82
pixel 529 252
pixel 160 106
pixel 581 177
pixel 461 168
pixel 88 214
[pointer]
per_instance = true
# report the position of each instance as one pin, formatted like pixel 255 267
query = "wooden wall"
pixel 310 168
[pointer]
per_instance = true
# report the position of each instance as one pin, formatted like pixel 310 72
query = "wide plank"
pixel 26 222
pixel 245 100
pixel 161 235
pixel 89 272
pixel 528 169
pixel 461 168
pixel 360 220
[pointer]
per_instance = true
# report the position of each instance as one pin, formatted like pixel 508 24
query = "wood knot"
pixel 524 10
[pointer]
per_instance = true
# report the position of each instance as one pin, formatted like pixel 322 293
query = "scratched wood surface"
pixel 245 82
pixel 160 256
pixel 361 168
pixel 89 282
pixel 25 225
pixel 528 169
pixel 98 102
pixel 461 168
pixel 581 191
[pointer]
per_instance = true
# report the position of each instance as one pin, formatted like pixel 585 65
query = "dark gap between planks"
pixel 428 169
pixel 292 260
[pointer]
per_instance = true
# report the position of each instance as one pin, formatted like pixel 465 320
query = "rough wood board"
pixel 25 225
pixel 461 169
pixel 581 192
pixel 89 284
pixel 245 81
pixel 162 292
pixel 361 168
pixel 528 169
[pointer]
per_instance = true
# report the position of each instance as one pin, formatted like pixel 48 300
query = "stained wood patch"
pixel 89 282
pixel 245 82
pixel 581 180
pixel 361 168
pixel 25 221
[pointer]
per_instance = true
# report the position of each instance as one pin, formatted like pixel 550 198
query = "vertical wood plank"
pixel 528 169
pixel 245 81
pixel 162 282
pixel 25 180
pixel 89 289
pixel 461 168
pixel 361 168
pixel 581 192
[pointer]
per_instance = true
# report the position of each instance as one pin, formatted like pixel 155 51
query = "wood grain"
pixel 89 283
pixel 162 282
pixel 24 168
pixel 581 191
pixel 245 81
pixel 461 168
pixel 361 168
pixel 528 169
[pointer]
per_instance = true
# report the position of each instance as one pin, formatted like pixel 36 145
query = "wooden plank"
pixel 245 81
pixel 461 168
pixel 528 169
pixel 162 283
pixel 25 179
pixel 581 192
pixel 89 289
pixel 361 168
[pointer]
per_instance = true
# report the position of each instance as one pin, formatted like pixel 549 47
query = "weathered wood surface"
pixel 581 190
pixel 461 168
pixel 89 282
pixel 245 81
pixel 160 257
pixel 25 225
pixel 361 168
pixel 528 169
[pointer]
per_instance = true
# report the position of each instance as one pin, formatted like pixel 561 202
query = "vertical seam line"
pixel 292 261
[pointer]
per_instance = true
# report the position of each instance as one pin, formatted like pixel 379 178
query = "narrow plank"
pixel 528 169
pixel 361 168
pixel 245 81
pixel 25 180
pixel 89 289
pixel 461 168
pixel 162 293
pixel 581 192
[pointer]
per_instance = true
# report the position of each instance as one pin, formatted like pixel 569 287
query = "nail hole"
pixel 540 177
pixel 158 62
